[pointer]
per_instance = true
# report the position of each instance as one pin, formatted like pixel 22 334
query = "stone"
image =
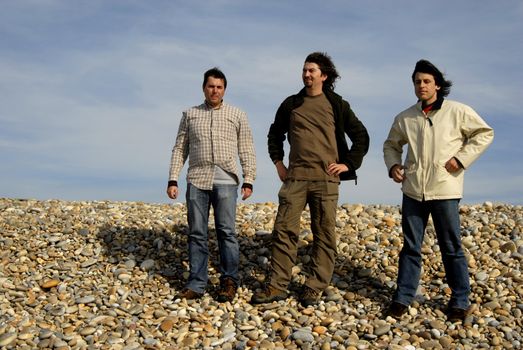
pixel 104 274
pixel 50 284
pixel 7 338
pixel 381 330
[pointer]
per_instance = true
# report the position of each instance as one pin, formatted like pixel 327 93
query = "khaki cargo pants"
pixel 322 198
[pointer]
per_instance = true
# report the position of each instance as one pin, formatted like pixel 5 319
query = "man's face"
pixel 425 87
pixel 214 90
pixel 312 76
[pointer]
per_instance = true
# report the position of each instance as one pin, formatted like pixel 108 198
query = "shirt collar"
pixel 210 107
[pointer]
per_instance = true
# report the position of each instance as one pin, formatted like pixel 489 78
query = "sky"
pixel 92 91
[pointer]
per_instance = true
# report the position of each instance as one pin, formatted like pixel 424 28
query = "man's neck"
pixel 313 91
pixel 213 106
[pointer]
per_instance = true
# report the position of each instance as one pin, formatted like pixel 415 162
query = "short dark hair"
pixel 424 66
pixel 327 67
pixel 215 73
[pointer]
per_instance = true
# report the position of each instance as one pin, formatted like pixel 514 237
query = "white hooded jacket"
pixel 454 130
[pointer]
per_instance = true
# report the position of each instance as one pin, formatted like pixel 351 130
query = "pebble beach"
pixel 104 275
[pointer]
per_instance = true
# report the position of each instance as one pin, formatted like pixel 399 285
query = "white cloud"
pixel 91 93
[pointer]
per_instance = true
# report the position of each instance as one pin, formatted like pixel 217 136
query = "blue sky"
pixel 91 92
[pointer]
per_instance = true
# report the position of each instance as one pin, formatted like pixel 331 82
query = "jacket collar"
pixel 436 105
pixel 329 93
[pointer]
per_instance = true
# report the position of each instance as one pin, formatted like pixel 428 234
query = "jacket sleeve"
pixel 277 132
pixel 393 145
pixel 478 137
pixel 358 136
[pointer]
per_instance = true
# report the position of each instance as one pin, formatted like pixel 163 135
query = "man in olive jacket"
pixel 315 121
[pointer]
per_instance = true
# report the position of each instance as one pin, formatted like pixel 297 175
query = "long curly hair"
pixel 327 67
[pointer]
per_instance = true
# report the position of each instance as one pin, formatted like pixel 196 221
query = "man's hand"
pixel 246 192
pixel 335 169
pixel 397 173
pixel 282 170
pixel 172 192
pixel 452 165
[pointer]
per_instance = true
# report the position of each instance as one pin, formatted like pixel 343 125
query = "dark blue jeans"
pixel 223 200
pixel 445 216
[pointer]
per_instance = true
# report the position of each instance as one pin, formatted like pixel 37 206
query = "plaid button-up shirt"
pixel 213 137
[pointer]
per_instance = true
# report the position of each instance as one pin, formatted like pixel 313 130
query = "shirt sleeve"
pixel 180 150
pixel 246 151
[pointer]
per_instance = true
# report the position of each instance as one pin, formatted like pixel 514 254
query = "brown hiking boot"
pixel 455 314
pixel 268 295
pixel 227 290
pixel 188 294
pixel 309 297
pixel 396 310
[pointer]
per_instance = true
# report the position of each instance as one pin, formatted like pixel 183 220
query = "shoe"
pixel 188 294
pixel 268 295
pixel 396 310
pixel 227 290
pixel 309 296
pixel 455 314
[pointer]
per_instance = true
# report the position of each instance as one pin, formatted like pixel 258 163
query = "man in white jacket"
pixel 443 139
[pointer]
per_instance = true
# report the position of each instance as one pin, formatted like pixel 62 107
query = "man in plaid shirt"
pixel 213 136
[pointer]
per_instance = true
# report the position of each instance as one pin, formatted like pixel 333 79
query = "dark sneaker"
pixel 455 314
pixel 188 294
pixel 309 297
pixel 227 290
pixel 396 310
pixel 268 295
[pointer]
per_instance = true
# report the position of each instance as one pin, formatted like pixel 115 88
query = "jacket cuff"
pixel 459 162
pixel 246 185
pixel 172 183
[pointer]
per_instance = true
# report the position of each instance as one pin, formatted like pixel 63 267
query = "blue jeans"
pixel 445 216
pixel 223 200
